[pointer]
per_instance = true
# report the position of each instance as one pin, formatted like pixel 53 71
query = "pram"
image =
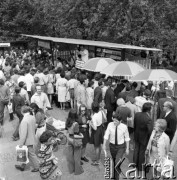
pixel 57 133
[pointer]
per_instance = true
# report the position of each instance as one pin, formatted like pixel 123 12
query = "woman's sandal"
pixel 96 163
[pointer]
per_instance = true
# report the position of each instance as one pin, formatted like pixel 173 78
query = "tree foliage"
pixel 138 22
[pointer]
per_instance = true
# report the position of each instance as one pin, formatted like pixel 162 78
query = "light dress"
pixel 61 87
pixel 50 87
pixel 89 97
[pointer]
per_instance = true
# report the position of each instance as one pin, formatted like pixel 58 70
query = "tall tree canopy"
pixel 138 22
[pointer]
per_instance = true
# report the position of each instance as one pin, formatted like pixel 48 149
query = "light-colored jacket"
pixel 27 130
pixel 163 146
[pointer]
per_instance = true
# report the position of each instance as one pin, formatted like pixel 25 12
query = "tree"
pixel 21 16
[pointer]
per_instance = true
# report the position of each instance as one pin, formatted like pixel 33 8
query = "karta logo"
pixel 110 170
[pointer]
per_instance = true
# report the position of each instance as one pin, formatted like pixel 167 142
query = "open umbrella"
pixel 123 68
pixel 156 75
pixel 97 64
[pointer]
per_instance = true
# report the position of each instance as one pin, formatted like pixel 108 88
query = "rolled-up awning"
pixel 90 43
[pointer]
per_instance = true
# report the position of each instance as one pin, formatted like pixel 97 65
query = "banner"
pixel 44 44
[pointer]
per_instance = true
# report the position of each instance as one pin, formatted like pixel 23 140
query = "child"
pixel 48 162
pixel 10 110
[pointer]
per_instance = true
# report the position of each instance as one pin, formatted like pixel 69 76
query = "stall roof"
pixel 90 43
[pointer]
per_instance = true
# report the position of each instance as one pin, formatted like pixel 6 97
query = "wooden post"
pixel 52 50
pixel 123 55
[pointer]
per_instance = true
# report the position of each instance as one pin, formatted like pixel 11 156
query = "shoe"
pixel 19 167
pixel 84 159
pixel 82 163
pixel 96 163
pixel 34 170
pixel 15 138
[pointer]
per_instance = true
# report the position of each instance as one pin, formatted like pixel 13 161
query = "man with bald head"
pixel 171 119
pixel 160 110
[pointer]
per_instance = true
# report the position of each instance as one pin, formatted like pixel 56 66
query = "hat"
pixel 147 92
pixel 120 102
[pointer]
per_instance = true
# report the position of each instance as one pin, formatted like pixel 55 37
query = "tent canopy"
pixel 90 43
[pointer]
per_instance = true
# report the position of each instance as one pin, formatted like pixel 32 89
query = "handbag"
pixel 22 154
pixel 77 143
pixel 166 168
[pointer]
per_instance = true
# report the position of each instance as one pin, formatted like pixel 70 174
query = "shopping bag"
pixel 9 106
pixel 22 154
pixel 167 167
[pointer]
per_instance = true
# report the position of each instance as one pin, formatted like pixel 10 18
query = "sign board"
pixel 108 53
pixel 44 44
pixel 4 44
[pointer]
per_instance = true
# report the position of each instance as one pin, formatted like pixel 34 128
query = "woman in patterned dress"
pixel 158 145
pixel 48 162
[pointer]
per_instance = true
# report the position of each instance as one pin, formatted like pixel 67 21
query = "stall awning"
pixel 90 43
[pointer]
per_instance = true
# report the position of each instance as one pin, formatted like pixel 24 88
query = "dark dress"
pixel 97 135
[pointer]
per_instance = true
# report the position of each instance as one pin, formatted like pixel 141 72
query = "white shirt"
pixel 97 119
pixel 2 75
pixel 1 61
pixel 139 101
pixel 24 94
pixel 71 83
pixel 104 89
pixel 41 100
pixel 29 81
pixel 21 79
pixel 41 77
pixel 167 113
pixel 84 55
pixel 122 133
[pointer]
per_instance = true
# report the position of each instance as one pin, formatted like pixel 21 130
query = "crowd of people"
pixel 140 117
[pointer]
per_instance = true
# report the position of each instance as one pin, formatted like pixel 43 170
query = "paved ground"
pixel 8 157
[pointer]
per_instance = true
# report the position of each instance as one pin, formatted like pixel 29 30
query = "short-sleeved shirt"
pixel 122 133
pixel 97 119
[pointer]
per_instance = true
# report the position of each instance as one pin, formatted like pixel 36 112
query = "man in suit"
pixel 98 92
pixel 143 127
pixel 27 138
pixel 133 93
pixel 17 102
pixel 160 109
pixel 171 119
pixel 110 101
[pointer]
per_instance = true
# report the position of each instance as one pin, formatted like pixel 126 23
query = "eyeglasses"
pixel 165 106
